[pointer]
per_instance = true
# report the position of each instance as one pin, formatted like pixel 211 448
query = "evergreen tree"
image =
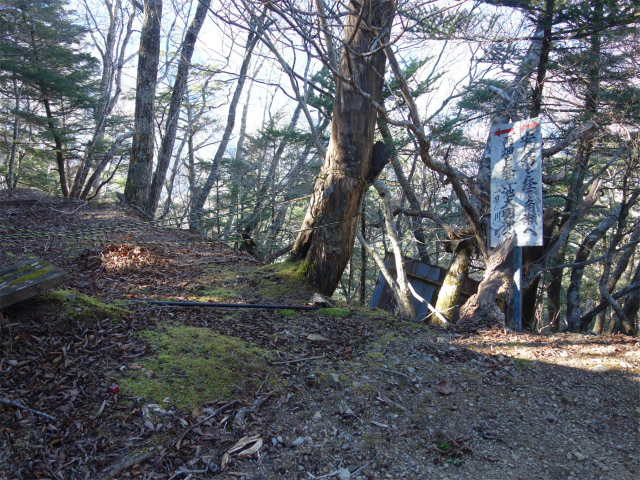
pixel 41 52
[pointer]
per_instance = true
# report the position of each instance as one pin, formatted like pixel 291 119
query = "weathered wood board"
pixel 26 279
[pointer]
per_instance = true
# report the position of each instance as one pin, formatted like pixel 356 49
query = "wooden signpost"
pixel 26 279
pixel 516 193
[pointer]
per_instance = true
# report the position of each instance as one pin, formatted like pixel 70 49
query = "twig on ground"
pixel 71 212
pixel 209 417
pixel 11 403
pixel 298 360
pixel 323 476
pixel 128 461
pixel 395 372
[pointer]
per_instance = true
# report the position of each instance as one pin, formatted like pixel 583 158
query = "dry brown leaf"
pixel 251 450
pixel 243 442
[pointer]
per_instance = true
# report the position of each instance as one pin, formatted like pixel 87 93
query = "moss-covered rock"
pixel 191 366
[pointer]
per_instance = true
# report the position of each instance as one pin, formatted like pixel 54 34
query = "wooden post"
pixel 517 288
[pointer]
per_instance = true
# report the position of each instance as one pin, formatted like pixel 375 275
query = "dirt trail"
pixel 339 393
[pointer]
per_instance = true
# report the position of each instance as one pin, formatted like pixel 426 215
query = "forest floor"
pixel 154 392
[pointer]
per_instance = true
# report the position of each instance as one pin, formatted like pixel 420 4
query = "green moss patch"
pixel 220 294
pixel 72 305
pixel 334 312
pixel 280 279
pixel 192 366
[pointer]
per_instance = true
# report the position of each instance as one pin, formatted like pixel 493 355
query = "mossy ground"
pixel 73 306
pixel 334 312
pixel 192 366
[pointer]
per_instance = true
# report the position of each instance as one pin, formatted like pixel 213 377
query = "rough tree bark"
pixel 329 228
pixel 481 309
pixel 136 190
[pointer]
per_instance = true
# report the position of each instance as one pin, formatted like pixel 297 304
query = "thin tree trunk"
pixel 179 87
pixel 452 285
pixel 416 221
pixel 198 204
pixel 57 138
pixel 631 306
pixel 106 160
pixel 247 226
pixel 573 291
pixel 363 259
pixel 141 162
pixel 14 139
pixel 330 225
pixel 621 267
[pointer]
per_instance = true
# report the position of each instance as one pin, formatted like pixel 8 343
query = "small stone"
pixel 335 377
pixel 317 416
pixel 297 441
pixel 411 369
pixel 550 417
pixel 274 440
pixel 314 337
pixel 345 446
pixel 280 439
pixel 300 468
pixel 579 456
pixel 600 369
pixel 344 474
pixel 352 468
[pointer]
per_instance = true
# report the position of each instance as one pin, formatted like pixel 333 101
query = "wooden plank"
pixel 26 279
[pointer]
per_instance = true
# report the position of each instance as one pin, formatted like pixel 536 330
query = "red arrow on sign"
pixel 506 130
pixel 523 127
pixel 531 125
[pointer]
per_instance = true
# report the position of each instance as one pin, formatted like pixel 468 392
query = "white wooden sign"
pixel 516 182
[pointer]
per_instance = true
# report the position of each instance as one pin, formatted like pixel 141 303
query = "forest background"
pixel 220 117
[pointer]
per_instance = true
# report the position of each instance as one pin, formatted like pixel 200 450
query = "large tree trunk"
pixel 179 88
pixel 452 285
pixel 141 162
pixel 329 228
pixel 481 310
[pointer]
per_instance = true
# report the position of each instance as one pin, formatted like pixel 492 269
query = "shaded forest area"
pixel 263 124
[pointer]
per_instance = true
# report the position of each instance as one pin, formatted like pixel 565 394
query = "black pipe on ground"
pixel 223 305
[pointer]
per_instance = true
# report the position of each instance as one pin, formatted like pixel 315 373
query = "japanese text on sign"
pixel 516 182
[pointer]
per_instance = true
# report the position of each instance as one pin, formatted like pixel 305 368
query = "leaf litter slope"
pixel 355 396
